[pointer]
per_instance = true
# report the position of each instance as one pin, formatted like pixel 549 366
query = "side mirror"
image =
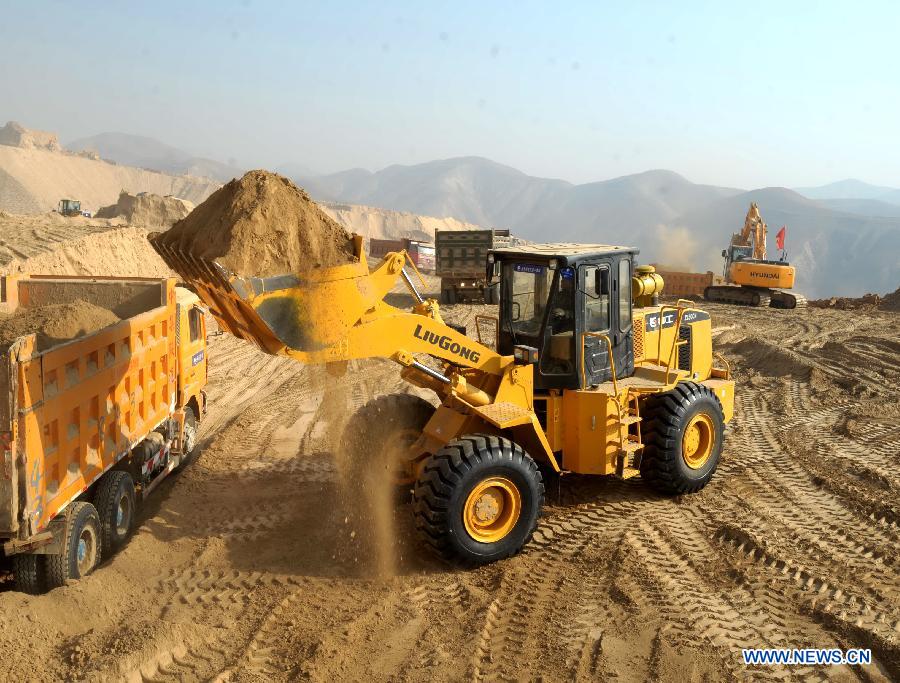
pixel 724 253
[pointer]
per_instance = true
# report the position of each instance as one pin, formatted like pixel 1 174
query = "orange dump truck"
pixel 89 426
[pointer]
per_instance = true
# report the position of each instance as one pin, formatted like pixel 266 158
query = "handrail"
pixel 719 356
pixel 612 362
pixel 676 342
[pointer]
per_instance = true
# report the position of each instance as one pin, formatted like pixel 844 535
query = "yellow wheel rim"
pixel 492 509
pixel 698 441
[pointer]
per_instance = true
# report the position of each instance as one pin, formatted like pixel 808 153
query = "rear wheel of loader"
pixel 81 548
pixel 478 499
pixel 683 438
pixel 115 505
pixel 30 572
pixel 377 438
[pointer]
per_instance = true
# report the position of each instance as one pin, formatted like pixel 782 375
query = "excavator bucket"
pixel 289 314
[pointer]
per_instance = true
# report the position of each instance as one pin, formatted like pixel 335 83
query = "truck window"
pixel 624 294
pixel 195 320
pixel 596 299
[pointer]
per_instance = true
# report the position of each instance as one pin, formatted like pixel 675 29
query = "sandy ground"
pixel 246 568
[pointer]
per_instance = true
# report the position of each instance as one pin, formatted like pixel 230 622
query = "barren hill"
pixel 34 180
pixel 370 221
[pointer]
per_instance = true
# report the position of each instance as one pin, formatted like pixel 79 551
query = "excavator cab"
pixel 559 301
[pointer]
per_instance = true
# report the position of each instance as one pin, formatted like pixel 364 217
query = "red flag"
pixel 779 238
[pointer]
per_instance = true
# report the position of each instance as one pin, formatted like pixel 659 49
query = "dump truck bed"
pixel 462 253
pixel 70 412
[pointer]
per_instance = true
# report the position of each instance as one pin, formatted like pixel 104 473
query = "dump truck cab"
pixel 552 295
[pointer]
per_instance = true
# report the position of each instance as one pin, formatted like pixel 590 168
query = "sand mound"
pixel 262 225
pixel 147 209
pixel 867 302
pixel 55 323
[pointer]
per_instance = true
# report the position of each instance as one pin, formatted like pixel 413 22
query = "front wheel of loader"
pixel 478 499
pixel 683 438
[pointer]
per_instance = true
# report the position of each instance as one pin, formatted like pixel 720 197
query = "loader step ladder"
pixel 628 412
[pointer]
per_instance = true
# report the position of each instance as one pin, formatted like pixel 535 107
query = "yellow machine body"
pixel 753 274
pixel 339 314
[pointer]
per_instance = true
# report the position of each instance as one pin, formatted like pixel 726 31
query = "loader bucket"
pixel 305 312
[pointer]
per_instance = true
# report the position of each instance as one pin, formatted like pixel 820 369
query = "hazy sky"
pixel 741 94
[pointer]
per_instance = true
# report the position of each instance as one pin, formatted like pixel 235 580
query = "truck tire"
pixel 490 295
pixel 30 572
pixel 373 435
pixel 115 505
pixel 478 499
pixel 190 449
pixel 81 548
pixel 683 438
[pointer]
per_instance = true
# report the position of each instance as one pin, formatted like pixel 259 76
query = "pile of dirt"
pixel 262 225
pixel 867 302
pixel 55 323
pixel 147 209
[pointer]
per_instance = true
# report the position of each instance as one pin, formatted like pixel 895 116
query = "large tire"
pixel 30 572
pixel 81 548
pixel 683 438
pixel 449 296
pixel 191 426
pixel 478 499
pixel 374 438
pixel 115 505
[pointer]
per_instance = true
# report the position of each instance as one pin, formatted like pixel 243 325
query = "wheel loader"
pixel 590 375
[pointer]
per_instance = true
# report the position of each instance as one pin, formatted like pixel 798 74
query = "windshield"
pixel 529 286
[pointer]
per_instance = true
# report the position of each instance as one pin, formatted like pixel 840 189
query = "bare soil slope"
pixel 41 178
pixel 50 244
pixel 147 210
pixel 246 567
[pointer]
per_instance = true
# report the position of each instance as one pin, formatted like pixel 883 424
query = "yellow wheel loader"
pixel 590 375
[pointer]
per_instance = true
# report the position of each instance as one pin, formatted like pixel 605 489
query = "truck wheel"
pixel 478 499
pixel 189 451
pixel 492 294
pixel 115 505
pixel 449 296
pixel 30 572
pixel 81 549
pixel 683 439
pixel 375 438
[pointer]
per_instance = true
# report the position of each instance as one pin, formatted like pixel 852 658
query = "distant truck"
pixel 421 253
pixel 462 263
pixel 89 427
pixel 680 283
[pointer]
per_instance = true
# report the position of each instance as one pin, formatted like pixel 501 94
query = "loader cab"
pixel 559 299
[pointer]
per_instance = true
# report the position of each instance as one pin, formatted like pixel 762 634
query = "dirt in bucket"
pixel 262 225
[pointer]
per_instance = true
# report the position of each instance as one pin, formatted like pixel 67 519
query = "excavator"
pixel 752 279
pixel 586 373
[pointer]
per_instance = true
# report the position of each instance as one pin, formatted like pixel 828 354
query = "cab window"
pixel 596 298
pixel 195 321
pixel 624 294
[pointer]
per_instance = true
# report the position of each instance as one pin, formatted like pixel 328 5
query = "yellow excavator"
pixel 586 373
pixel 752 279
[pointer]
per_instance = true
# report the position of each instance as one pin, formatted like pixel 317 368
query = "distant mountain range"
pixel 840 246
pixel 844 237
pixel 144 152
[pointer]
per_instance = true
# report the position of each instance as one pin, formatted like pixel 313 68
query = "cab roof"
pixel 568 252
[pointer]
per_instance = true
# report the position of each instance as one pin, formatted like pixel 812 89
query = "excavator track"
pixel 740 296
pixel 787 300
pixel 758 298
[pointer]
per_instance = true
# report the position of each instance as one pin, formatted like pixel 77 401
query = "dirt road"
pixel 247 568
